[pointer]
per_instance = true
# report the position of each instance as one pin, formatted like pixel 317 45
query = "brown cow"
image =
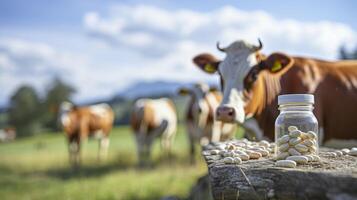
pixel 79 123
pixel 251 83
pixel 152 118
pixel 200 123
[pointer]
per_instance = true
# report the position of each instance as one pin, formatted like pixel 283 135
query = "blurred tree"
pixel 345 55
pixel 24 111
pixel 58 92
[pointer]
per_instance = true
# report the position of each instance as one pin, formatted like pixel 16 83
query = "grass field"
pixel 38 168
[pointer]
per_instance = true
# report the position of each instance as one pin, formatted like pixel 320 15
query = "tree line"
pixel 29 113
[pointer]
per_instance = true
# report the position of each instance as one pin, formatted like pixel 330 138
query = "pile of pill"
pixel 234 152
pixel 296 143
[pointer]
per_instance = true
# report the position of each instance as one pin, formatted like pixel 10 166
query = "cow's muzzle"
pixel 226 114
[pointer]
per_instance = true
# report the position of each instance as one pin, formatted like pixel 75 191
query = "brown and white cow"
pixel 200 123
pixel 252 81
pixel 7 134
pixel 79 123
pixel 150 119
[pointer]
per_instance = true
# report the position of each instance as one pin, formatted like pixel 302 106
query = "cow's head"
pixel 239 72
pixel 200 108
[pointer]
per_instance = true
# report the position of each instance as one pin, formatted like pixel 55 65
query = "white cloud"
pixel 138 25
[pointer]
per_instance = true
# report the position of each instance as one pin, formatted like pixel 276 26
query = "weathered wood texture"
pixel 331 178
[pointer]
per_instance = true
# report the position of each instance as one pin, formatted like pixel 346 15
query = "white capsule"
pixel 285 163
pixel 345 151
pixel 311 135
pixel 295 134
pixel 228 160
pixel 301 148
pixel 304 136
pixel 294 152
pixel 282 156
pixel 331 154
pixel 264 143
pixel 339 153
pixel 214 152
pixel 271 150
pixel 298 159
pixel 239 151
pixel 237 160
pixel 312 149
pixel 309 157
pixel 263 152
pixel 316 158
pixel 308 143
pixel 254 155
pixel 284 147
pixel 244 157
pixel 228 154
pixel 292 128
pixel 294 141
pixel 353 152
pixel 283 139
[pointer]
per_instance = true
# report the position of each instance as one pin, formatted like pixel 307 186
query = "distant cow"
pixel 151 119
pixel 79 123
pixel 252 81
pixel 200 123
pixel 7 134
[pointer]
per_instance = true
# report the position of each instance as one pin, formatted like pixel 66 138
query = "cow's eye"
pixel 250 79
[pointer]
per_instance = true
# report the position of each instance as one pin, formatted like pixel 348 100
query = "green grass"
pixel 38 168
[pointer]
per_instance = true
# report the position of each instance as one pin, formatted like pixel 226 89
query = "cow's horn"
pixel 257 48
pixel 219 48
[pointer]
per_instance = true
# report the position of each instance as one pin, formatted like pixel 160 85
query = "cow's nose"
pixel 225 114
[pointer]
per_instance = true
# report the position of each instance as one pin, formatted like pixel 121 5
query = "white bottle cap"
pixel 296 98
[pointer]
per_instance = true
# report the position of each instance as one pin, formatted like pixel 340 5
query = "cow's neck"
pixel 264 97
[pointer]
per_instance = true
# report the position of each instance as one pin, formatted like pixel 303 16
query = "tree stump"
pixel 329 178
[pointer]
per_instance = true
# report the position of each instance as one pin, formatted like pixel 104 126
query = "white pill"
pixel 353 152
pixel 312 149
pixel 311 135
pixel 271 150
pixel 301 148
pixel 339 153
pixel 237 160
pixel 239 152
pixel 254 155
pixel 304 136
pixel 295 134
pixel 283 139
pixel 308 143
pixel 230 147
pixel 294 152
pixel 272 145
pixel 294 141
pixel 284 147
pixel 228 154
pixel 214 152
pixel 331 154
pixel 309 157
pixel 264 143
pixel 354 148
pixel 244 157
pixel 263 152
pixel 286 163
pixel 298 159
pixel 316 158
pixel 345 151
pixel 282 156
pixel 228 160
pixel 292 128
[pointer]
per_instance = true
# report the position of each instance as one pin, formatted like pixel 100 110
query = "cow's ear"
pixel 183 91
pixel 213 89
pixel 277 62
pixel 207 62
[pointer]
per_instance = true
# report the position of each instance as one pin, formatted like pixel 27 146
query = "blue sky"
pixel 102 47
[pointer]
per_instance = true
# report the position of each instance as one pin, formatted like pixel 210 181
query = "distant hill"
pixel 151 89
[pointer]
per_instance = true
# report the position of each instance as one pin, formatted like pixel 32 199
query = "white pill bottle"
pixel 296 127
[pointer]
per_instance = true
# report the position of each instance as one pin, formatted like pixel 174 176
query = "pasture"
pixel 38 168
